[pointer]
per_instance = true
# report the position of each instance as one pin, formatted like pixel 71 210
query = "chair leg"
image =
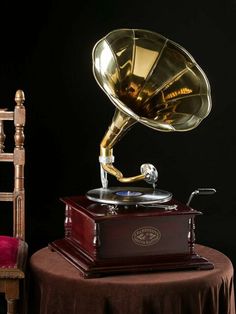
pixel 12 295
pixel 11 306
pixel 23 301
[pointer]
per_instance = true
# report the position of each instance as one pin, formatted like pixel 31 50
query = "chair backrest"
pixel 17 157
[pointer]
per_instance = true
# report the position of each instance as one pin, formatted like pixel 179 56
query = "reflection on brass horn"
pixel 151 80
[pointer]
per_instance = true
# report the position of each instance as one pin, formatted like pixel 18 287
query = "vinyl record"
pixel 128 195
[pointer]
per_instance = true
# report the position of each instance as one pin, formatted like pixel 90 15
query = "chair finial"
pixel 19 97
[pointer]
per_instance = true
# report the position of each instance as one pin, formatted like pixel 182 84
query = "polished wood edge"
pixel 7 157
pixel 81 204
pixel 6 115
pixel 11 273
pixel 7 197
pixel 97 268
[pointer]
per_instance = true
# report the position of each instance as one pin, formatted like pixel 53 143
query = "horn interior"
pixel 152 79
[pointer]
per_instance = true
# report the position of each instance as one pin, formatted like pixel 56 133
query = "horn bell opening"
pixel 152 79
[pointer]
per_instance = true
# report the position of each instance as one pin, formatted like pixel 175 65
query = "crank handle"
pixel 201 191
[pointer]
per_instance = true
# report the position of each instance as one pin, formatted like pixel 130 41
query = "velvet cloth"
pixel 8 251
pixel 58 288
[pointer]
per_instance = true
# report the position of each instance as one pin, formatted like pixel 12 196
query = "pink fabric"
pixel 8 251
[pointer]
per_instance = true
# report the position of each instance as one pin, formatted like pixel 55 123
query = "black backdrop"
pixel 46 51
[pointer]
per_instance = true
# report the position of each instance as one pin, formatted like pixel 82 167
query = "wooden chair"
pixel 13 249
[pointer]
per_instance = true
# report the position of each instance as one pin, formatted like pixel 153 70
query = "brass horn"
pixel 151 80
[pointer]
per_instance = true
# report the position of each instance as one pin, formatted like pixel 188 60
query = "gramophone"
pixel 123 229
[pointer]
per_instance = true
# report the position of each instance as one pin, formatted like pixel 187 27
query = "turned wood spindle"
pixel 19 162
pixel 2 134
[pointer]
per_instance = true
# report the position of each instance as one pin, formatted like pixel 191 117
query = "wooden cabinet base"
pixel 92 269
pixel 101 242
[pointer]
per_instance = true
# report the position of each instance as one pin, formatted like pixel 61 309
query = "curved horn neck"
pixel 121 122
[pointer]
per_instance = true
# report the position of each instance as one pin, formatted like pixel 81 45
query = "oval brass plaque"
pixel 146 236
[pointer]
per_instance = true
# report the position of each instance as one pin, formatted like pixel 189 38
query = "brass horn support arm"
pixel 115 172
pixel 120 124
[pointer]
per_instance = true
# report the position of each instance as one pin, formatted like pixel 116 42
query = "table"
pixel 58 288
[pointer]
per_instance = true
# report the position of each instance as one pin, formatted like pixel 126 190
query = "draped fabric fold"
pixel 59 288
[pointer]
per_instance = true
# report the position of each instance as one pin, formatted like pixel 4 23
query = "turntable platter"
pixel 128 195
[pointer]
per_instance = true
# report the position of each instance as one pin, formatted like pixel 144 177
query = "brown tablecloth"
pixel 58 288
